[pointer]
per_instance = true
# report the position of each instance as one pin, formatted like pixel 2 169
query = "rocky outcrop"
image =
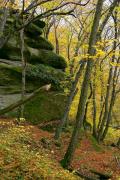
pixel 43 65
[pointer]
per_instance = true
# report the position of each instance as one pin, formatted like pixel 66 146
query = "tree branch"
pixel 23 101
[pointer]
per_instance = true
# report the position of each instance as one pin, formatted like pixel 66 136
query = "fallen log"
pixel 102 176
pixel 26 99
pixel 86 177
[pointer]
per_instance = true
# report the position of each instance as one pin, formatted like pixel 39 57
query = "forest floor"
pixel 89 156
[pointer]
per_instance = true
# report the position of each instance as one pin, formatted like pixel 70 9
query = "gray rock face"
pixel 6 100
pixel 42 63
pixel 38 51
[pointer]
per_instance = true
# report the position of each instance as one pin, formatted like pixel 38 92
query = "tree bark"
pixel 23 72
pixel 69 102
pixel 94 106
pixel 56 37
pixel 112 102
pixel 2 26
pixel 84 90
pixel 86 109
pixel 108 109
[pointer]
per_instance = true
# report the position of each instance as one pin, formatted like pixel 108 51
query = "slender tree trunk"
pixel 100 131
pixel 112 102
pixel 48 28
pixel 69 102
pixel 56 38
pixel 84 90
pixel 3 20
pixel 100 116
pixel 69 45
pixel 94 106
pixel 108 110
pixel 23 64
pixel 23 71
pixel 86 108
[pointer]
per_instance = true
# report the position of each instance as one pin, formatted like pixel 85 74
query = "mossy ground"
pixel 44 107
pixel 24 155
pixel 21 158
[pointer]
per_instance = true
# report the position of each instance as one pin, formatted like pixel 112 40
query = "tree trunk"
pixel 108 110
pixel 94 106
pixel 69 45
pixel 2 26
pixel 69 102
pixel 56 38
pixel 112 102
pixel 84 90
pixel 23 71
pixel 85 122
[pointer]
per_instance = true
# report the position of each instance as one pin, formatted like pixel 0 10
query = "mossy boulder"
pixel 41 43
pixel 43 65
pixel 33 31
pixel 37 49
pixel 36 76
pixel 9 77
pixel 46 106
pixel 39 23
pixel 47 57
pixel 45 74
pixel 13 53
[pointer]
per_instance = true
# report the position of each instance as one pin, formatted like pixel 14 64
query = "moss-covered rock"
pixel 46 106
pixel 46 57
pixel 36 76
pixel 13 53
pixel 45 74
pixel 43 67
pixel 9 76
pixel 33 31
pixel 39 23
pixel 41 43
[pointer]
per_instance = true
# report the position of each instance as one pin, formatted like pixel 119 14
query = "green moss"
pixel 23 159
pixel 33 31
pixel 46 74
pixel 36 76
pixel 39 23
pixel 95 144
pixel 12 50
pixel 45 107
pixel 47 57
pixel 9 77
pixel 41 43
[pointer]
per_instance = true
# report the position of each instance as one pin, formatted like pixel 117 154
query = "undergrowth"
pixel 21 159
